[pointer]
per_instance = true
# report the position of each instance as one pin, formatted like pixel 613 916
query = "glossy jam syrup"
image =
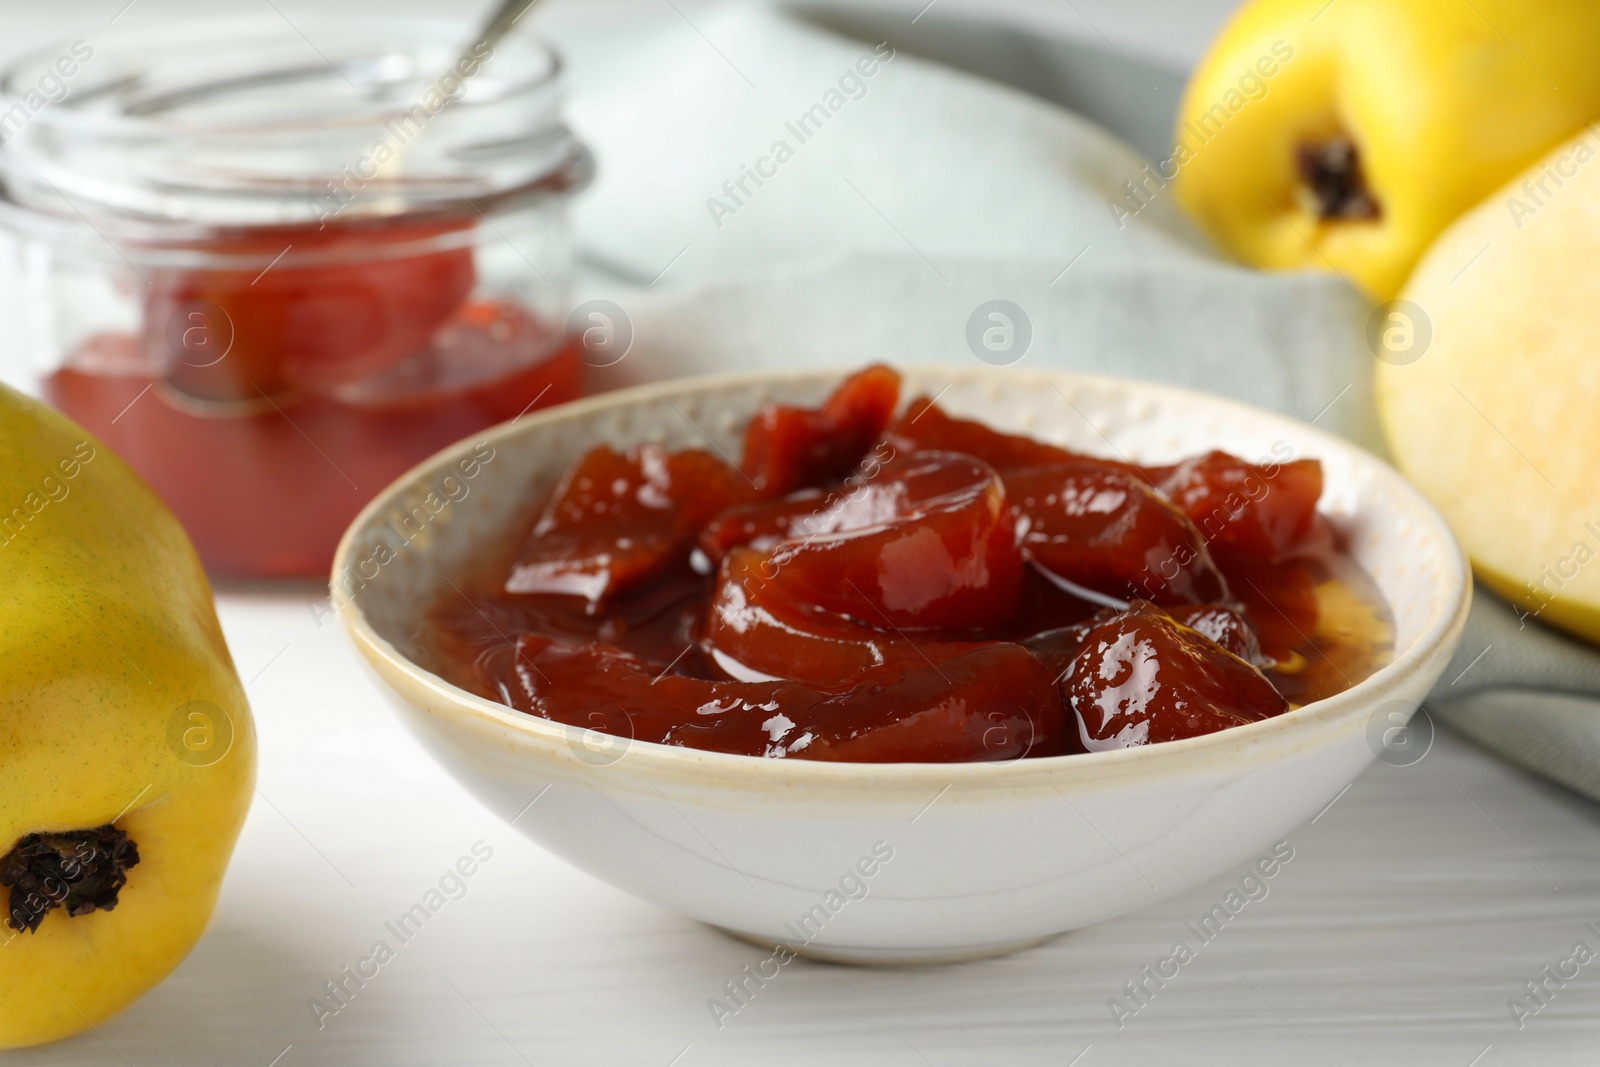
pixel 922 590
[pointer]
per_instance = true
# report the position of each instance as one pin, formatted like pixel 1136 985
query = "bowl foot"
pixel 896 956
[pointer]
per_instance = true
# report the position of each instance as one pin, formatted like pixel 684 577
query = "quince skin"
pixel 127 752
pixel 1387 120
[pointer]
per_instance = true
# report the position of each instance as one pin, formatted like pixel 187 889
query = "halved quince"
pixel 1495 418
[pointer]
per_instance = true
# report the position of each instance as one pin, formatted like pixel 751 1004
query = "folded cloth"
pixel 784 196
pixel 775 194
pixel 1526 692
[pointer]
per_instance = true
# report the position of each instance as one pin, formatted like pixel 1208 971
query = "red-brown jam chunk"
pixel 1101 529
pixel 1142 677
pixel 862 499
pixel 927 427
pixel 756 630
pixel 314 327
pixel 1224 625
pixel 937 592
pixel 1265 511
pixel 994 702
pixel 789 448
pixel 617 518
pixel 935 549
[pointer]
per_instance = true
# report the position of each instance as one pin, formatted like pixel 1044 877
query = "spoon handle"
pixel 495 27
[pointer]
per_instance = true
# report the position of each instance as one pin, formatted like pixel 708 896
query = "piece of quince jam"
pixel 868 588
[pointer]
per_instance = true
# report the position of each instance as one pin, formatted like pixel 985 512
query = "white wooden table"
pixel 1414 909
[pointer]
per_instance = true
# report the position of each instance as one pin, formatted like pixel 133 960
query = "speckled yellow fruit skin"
pixel 1444 99
pixel 106 630
pixel 1496 420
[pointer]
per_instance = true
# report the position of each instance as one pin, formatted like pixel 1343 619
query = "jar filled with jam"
pixel 274 265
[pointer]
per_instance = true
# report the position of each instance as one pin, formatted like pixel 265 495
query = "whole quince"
pixel 1350 133
pixel 127 752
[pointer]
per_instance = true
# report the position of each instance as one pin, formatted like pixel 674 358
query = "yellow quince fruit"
pixel 127 752
pixel 1349 133
pixel 1490 406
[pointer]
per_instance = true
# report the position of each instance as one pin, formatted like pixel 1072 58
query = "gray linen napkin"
pixel 929 167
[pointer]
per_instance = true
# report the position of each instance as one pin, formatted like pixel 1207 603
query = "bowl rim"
pixel 1291 730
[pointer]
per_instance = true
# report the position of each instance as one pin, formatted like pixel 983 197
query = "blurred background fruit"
pixel 1349 134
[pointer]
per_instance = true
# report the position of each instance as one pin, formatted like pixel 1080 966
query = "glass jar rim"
pixel 237 121
pixel 148 40
pixel 163 245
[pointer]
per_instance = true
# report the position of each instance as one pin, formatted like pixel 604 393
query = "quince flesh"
pixel 127 752
pixel 1387 120
pixel 1495 419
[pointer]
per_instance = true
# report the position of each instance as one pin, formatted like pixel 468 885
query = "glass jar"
pixel 274 274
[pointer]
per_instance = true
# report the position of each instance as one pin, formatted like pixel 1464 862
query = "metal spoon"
pixel 490 33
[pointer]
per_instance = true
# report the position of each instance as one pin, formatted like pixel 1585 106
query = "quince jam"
pixel 267 404
pixel 870 587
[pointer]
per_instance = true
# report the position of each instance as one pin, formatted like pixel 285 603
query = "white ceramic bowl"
pixel 965 860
